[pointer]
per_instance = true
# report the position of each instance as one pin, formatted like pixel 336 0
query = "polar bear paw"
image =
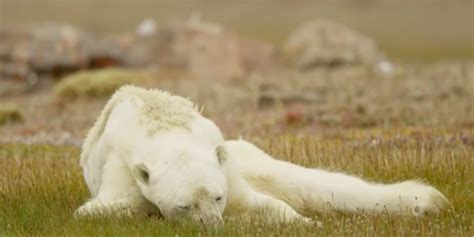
pixel 420 199
pixel 97 208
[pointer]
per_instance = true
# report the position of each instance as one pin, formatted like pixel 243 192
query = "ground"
pixel 415 124
pixel 47 186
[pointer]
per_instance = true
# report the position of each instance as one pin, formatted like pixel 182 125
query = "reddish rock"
pixel 295 113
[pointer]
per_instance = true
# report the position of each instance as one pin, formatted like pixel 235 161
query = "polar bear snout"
pixel 204 206
pixel 203 212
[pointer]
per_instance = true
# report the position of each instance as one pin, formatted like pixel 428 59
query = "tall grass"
pixel 41 186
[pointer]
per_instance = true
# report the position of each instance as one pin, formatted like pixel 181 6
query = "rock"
pixel 322 43
pixel 205 49
pixel 296 113
pixel 53 49
pixel 99 83
pixel 255 55
pixel 56 47
pixel 146 28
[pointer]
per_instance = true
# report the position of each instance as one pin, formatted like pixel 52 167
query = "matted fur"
pixel 160 111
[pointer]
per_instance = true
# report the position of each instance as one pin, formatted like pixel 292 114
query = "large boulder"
pixel 53 49
pixel 322 43
pixel 207 50
pixel 204 49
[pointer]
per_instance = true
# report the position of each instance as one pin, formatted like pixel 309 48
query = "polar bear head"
pixel 185 182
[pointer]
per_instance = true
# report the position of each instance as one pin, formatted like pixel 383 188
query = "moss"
pixel 99 83
pixel 10 113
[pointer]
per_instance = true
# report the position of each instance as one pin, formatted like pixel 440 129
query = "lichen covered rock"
pixel 53 49
pixel 322 43
pixel 207 50
pixel 99 83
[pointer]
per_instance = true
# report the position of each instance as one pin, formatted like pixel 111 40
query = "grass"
pixel 417 125
pixel 41 186
pixel 10 113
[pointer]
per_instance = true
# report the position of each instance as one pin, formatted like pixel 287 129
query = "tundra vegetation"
pixel 10 113
pixel 41 186
pixel 398 128
pixel 417 122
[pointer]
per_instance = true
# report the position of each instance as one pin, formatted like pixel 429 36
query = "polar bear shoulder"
pixel 158 110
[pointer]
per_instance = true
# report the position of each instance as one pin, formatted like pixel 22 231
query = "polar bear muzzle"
pixel 185 182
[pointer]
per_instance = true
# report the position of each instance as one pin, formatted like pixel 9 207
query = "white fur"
pixel 153 153
pixel 310 191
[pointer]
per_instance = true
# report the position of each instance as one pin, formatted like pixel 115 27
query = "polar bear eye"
pixel 218 199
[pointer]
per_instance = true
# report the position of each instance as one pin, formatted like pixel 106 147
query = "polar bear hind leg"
pixel 243 199
pixel 310 191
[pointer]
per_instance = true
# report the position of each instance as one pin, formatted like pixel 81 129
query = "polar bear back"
pixel 159 110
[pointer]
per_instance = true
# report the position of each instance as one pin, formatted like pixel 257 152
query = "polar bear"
pixel 151 152
pixel 311 191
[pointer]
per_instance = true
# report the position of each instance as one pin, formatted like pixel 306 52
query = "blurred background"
pixel 258 67
pixel 417 30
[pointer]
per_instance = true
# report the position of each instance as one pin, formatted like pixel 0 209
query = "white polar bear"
pixel 153 153
pixel 310 191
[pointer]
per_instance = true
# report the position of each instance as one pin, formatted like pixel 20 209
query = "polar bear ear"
pixel 222 154
pixel 141 173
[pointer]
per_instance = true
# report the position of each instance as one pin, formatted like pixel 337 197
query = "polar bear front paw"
pixel 88 209
pixel 96 208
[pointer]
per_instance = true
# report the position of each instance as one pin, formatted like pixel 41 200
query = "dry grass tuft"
pixel 10 113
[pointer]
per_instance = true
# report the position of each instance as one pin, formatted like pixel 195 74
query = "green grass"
pixel 41 186
pixel 10 113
